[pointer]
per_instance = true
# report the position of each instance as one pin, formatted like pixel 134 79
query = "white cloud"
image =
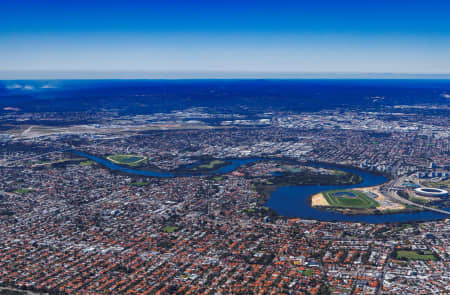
pixel 14 86
pixel 19 86
pixel 28 87
pixel 48 86
pixel 445 95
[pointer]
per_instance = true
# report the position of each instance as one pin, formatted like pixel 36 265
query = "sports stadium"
pixel 431 192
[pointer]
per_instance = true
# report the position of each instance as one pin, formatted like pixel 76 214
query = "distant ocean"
pixel 257 94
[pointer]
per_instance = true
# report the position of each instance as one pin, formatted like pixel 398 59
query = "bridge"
pixel 402 200
pixel 390 189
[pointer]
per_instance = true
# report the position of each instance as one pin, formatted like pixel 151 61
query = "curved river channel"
pixel 293 201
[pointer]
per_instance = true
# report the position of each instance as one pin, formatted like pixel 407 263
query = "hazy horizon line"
pixel 205 74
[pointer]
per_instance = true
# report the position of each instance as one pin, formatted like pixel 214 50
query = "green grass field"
pixel 413 255
pixel 139 184
pixel 306 272
pixel 359 200
pixel 22 190
pixel 441 184
pixel 291 169
pixel 42 163
pixel 267 182
pixel 130 160
pixel 418 200
pixel 211 164
pixel 170 229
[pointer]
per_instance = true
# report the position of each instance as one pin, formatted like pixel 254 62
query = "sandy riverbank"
pixel 318 200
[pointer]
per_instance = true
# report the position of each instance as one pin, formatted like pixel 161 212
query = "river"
pixel 292 201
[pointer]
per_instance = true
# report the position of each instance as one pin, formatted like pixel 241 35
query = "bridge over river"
pixel 389 190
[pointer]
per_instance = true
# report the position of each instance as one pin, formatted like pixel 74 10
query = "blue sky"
pixel 225 36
